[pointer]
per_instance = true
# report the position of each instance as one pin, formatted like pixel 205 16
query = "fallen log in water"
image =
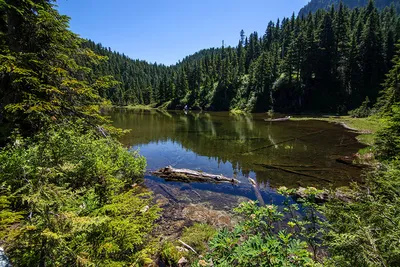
pixel 349 161
pixel 186 175
pixel 279 119
pixel 257 191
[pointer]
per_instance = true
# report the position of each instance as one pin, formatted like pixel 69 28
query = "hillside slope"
pixel 314 5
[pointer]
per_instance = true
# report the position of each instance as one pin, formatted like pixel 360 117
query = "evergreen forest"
pixel 338 56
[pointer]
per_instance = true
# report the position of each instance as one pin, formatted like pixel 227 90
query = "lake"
pixel 286 153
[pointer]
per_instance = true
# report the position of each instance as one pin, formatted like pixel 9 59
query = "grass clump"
pixel 198 236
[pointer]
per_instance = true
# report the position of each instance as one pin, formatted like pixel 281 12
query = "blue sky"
pixel 165 31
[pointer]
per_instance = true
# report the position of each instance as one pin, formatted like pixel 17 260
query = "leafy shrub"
pixel 388 139
pixel 72 196
pixel 170 255
pixel 365 232
pixel 257 241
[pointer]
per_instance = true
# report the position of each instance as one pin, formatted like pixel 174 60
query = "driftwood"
pixel 186 245
pixel 186 175
pixel 279 119
pixel 257 191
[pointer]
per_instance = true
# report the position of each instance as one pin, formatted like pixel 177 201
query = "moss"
pixel 198 236
pixel 170 255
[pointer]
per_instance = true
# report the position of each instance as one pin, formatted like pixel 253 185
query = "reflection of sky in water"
pixel 169 153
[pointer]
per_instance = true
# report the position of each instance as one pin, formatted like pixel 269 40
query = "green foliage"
pixel 388 139
pixel 68 197
pixel 364 232
pixel 170 254
pixel 363 111
pixel 258 241
pixel 391 93
pixel 41 79
pixel 315 5
pixel 7 216
pixel 73 190
pixel 306 218
pixel 198 236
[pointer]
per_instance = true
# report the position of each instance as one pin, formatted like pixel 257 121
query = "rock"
pixel 321 197
pixel 202 214
pixel 344 194
pixel 161 200
pixel 183 261
pixel 4 262
pixel 181 249
pixel 144 209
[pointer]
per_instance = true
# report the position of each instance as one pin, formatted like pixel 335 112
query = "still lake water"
pixel 288 153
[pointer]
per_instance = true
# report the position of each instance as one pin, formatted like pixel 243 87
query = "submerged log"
pixel 186 175
pixel 350 161
pixel 284 141
pixel 279 119
pixel 257 191
pixel 272 167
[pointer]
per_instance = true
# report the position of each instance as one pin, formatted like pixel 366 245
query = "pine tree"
pixel 372 59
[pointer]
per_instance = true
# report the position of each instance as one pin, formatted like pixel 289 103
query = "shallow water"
pixel 289 153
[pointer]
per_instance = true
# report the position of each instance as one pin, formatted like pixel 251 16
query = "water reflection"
pixel 291 153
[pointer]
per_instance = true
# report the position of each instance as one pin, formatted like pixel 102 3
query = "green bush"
pixel 388 139
pixel 257 241
pixel 72 196
pixel 365 231
pixel 170 254
pixel 363 111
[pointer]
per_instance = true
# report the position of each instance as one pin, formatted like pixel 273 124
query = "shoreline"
pixel 365 127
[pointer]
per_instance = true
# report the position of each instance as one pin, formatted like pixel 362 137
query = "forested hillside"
pixel 138 79
pixel 330 61
pixel 314 5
